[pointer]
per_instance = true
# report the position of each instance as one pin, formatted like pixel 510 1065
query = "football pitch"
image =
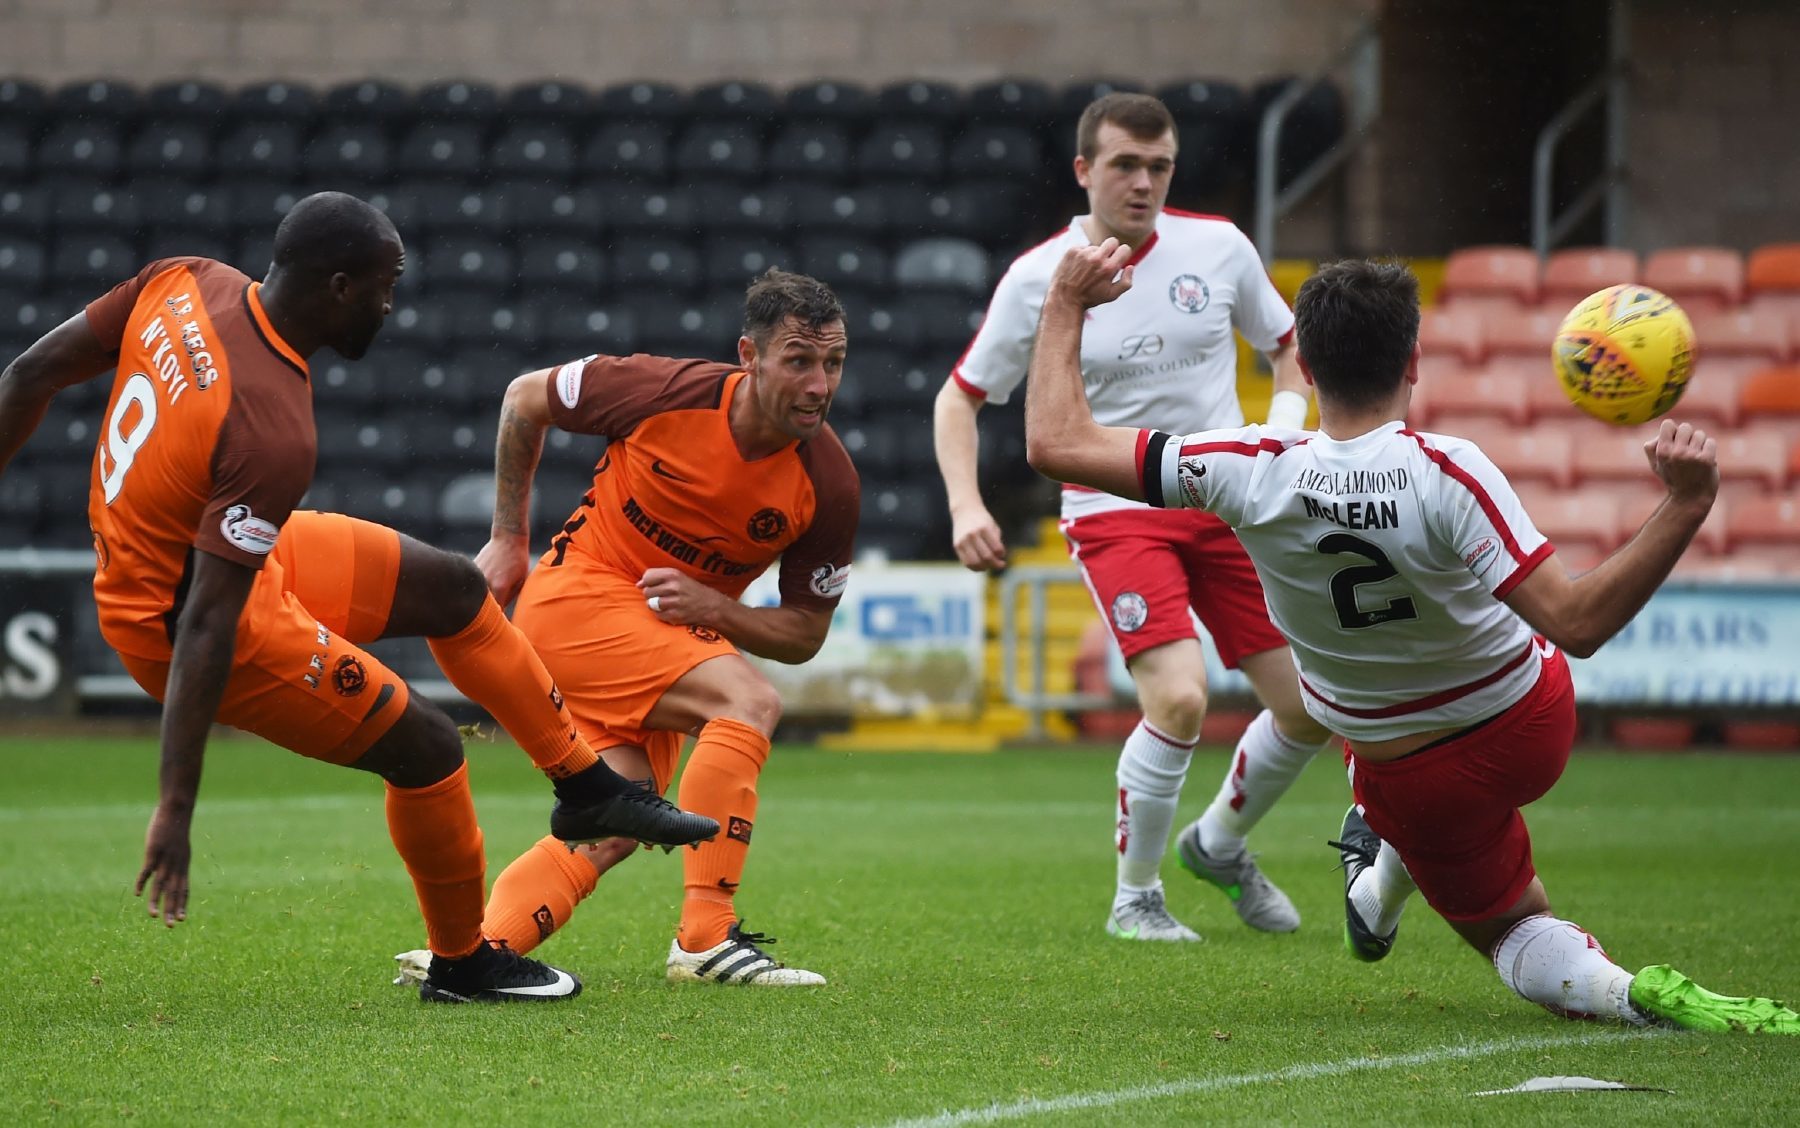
pixel 956 905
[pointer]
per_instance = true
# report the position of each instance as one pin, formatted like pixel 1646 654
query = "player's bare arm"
pixel 200 665
pixel 790 635
pixel 524 418
pixel 1062 440
pixel 974 532
pixel 68 354
pixel 1581 614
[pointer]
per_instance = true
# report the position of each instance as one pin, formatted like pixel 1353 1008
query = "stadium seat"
pixel 828 100
pixel 635 208
pixel 257 206
pixel 577 212
pixel 91 263
pixel 1545 399
pixel 24 209
pixel 919 100
pixel 1027 101
pixel 1498 393
pixel 461 100
pixel 750 103
pixel 1770 392
pixel 450 208
pixel 1756 454
pixel 533 150
pixel 1528 332
pixel 663 263
pixel 15 149
pixel 562 264
pixel 86 206
pixel 440 149
pixel 1711 399
pixel 1652 732
pixel 850 211
pixel 945 322
pixel 1493 277
pixel 628 150
pixel 723 150
pixel 572 331
pixel 906 151
pixel 21 497
pixel 1541 454
pixel 842 261
pixel 418 324
pixel 1774 267
pixel 254 253
pixel 885 325
pixel 1636 506
pixel 1575 272
pixel 271 102
pixel 368 102
pixel 956 265
pixel 265 150
pixel 817 151
pixel 1773 520
pixel 873 448
pixel 552 101
pixel 98 100
pixel 358 154
pixel 467 262
pixel 409 506
pixel 733 260
pixel 682 328
pixel 1702 279
pixel 1458 333
pixel 83 148
pixel 998 152
pixel 467 503
pixel 1582 524
pixel 1074 97
pixel 23 264
pixel 169 149
pixel 22 101
pixel 736 208
pixel 655 101
pixel 477 320
pixel 1762 736
pixel 990 212
pixel 1739 332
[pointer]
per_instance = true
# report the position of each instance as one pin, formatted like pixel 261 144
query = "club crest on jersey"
pixel 828 582
pixel 1129 611
pixel 248 531
pixel 1479 555
pixel 349 677
pixel 1189 293
pixel 704 634
pixel 767 525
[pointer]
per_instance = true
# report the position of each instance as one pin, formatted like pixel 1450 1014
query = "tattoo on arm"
pixel 516 452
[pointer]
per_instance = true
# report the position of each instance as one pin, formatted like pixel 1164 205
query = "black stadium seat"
pixel 734 260
pixel 171 203
pixel 909 151
pixel 442 149
pixel 23 264
pixel 546 207
pixel 678 328
pixel 15 149
pixel 655 101
pixel 989 212
pixel 1313 125
pixel 955 265
pixel 646 208
pixel 171 148
pixel 459 100
pixel 1023 100
pixel 453 208
pixel 628 150
pixel 257 206
pixel 731 207
pixel 368 102
pixel 818 207
pixel 91 263
pixel 268 150
pixel 661 263
pixel 572 331
pixel 562 264
pixel 818 151
pixel 998 152
pixel 187 102
pixel 555 101
pixel 844 262
pixel 98 100
pixel 22 102
pixel 24 208
pixel 358 154
pixel 828 100
pixel 536 150
pixel 284 102
pixel 749 102
pixel 720 150
pixel 95 207
pixel 1075 97
pixel 931 101
pixel 82 147
pixel 467 262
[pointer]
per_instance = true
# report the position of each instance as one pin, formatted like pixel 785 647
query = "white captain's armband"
pixel 568 380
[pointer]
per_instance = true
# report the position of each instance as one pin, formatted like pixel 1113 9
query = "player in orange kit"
pixel 711 472
pixel 226 605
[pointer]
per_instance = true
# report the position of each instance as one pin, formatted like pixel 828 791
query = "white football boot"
pixel 740 961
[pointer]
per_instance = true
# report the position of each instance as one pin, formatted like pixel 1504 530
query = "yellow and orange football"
pixel 1624 354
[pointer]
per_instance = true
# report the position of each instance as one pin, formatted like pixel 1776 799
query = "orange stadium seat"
pixel 1488 393
pixel 1636 507
pixel 1502 277
pixel 1741 332
pixel 1524 333
pixel 1711 399
pixel 1452 332
pixel 1765 521
pixel 1541 454
pixel 1755 454
pixel 1612 455
pixel 1773 267
pixel 1771 391
pixel 1573 274
pixel 1702 279
pixel 1579 521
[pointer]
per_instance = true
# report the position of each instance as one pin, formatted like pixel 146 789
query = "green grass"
pixel 956 905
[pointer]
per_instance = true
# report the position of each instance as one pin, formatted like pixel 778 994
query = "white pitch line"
pixel 1306 1071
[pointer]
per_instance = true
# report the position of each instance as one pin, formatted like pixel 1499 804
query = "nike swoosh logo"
pixel 708 540
pixel 728 886
pixel 657 467
pixel 1128 933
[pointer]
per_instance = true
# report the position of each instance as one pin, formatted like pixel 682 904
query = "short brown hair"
pixel 1357 321
pixel 1143 117
pixel 776 295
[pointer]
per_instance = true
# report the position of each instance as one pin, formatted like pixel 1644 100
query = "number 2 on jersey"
pixel 1345 581
pixel 119 445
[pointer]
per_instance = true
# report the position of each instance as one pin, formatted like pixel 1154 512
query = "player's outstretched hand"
pixel 977 539
pixel 505 562
pixel 678 598
pixel 1094 275
pixel 1687 460
pixel 165 872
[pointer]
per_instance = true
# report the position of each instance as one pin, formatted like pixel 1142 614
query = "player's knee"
pixel 1298 726
pixel 1177 709
pixel 439 592
pixel 756 703
pixel 421 749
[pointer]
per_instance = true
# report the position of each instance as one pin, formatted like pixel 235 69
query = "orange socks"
pixel 537 894
pixel 720 781
pixel 435 832
pixel 491 664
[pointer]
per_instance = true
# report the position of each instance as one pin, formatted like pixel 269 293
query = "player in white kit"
pixel 1427 617
pixel 1164 354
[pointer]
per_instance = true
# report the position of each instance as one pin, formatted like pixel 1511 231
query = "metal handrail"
pixel 1612 186
pixel 1035 700
pixel 1363 55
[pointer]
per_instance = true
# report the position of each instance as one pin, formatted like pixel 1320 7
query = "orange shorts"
pixel 298 679
pixel 611 656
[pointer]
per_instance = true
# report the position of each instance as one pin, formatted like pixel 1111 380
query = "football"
pixel 1624 354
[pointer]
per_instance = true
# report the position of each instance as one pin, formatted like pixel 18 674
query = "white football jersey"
pixel 1162 355
pixel 1383 558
